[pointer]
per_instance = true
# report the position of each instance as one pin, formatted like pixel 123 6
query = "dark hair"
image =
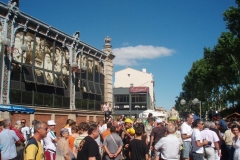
pixel 139 131
pixel 235 126
pixel 92 128
pixel 75 128
pixel 196 122
pixel 84 126
pixel 109 124
pixel 112 129
pixel 141 125
pixel 34 121
pixel 149 115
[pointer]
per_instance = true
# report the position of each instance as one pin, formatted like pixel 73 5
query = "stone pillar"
pixel 108 71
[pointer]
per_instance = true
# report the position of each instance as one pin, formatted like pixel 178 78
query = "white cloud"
pixel 129 56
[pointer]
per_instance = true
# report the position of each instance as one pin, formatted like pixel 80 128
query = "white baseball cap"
pixel 158 120
pixel 51 123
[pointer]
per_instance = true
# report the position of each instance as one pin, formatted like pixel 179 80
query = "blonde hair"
pixel 18 124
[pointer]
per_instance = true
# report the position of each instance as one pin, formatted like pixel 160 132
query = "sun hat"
pixel 158 120
pixel 51 123
pixel 128 120
pixel 131 131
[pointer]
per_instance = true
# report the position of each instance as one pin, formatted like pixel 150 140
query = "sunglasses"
pixel 23 122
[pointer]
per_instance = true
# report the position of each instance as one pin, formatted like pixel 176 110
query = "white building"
pixel 130 77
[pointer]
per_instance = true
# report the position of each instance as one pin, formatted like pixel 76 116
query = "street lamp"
pixel 195 101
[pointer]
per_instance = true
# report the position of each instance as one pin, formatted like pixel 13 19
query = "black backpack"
pixel 21 153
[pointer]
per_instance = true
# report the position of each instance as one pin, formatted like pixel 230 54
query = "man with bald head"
pixel 169 145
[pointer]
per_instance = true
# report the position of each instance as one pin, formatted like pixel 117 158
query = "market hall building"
pixel 49 72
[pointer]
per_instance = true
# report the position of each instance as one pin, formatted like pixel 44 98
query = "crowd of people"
pixel 121 138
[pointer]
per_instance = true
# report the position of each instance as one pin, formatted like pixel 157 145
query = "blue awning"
pixel 13 108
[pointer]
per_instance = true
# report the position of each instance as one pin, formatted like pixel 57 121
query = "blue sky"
pixel 163 36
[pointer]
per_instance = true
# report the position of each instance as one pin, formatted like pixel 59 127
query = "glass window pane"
pixel 58 80
pixel 66 102
pixel 27 98
pixel 84 104
pixel 84 86
pixel 49 78
pixel 15 96
pixel 39 76
pixel 38 99
pixel 91 87
pixel 58 101
pixel 97 106
pixel 48 100
pixel 28 73
pixel 97 87
pixel 78 103
pixel 90 69
pixel 96 71
pixel 91 105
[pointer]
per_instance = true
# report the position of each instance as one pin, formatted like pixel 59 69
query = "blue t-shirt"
pixel 7 140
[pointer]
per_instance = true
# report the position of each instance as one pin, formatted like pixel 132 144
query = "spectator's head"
pixel 139 131
pixel 1 122
pixel 128 123
pixel 23 122
pixel 18 124
pixel 150 115
pixel 109 124
pixel 171 128
pixel 51 125
pixel 33 122
pixel 141 125
pixel 212 125
pixel 83 127
pixel 159 122
pixel 100 123
pixel 41 129
pixel 207 124
pixel 150 121
pixel 189 119
pixel 235 130
pixel 93 131
pixel 64 133
pixel 112 129
pixel 217 125
pixel 74 129
pixel 7 123
pixel 198 124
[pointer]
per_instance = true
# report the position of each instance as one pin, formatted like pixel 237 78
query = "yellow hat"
pixel 131 131
pixel 128 120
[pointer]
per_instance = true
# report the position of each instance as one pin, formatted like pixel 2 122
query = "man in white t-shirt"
pixel 197 140
pixel 186 132
pixel 25 129
pixel 50 141
pixel 105 109
pixel 169 145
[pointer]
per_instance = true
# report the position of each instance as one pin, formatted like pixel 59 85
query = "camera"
pixel 209 143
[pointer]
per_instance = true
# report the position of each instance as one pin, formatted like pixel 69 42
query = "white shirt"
pixel 25 131
pixel 104 127
pixel 186 129
pixel 209 136
pixel 48 141
pixel 170 146
pixel 196 136
pixel 105 107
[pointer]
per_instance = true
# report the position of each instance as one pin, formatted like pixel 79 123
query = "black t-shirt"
pixel 158 133
pixel 88 148
pixel 138 149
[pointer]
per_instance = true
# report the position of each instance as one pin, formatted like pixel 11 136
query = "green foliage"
pixel 215 78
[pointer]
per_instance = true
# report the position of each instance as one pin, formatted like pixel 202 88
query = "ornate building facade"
pixel 50 71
